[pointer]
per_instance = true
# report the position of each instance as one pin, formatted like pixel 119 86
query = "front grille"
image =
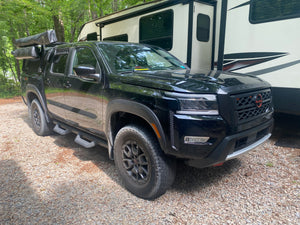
pixel 252 105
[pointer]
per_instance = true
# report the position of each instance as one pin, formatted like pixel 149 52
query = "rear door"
pixel 202 40
pixel 54 83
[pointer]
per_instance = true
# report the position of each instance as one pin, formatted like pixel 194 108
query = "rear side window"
pixel 157 29
pixel 32 66
pixel 272 10
pixel 59 63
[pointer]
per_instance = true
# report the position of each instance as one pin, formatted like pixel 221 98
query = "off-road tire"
pixel 143 167
pixel 38 120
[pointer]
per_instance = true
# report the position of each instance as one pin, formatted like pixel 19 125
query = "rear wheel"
pixel 38 120
pixel 142 166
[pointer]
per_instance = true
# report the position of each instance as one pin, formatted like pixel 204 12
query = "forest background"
pixel 22 18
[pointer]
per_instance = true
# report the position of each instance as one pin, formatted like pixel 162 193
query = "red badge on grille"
pixel 258 100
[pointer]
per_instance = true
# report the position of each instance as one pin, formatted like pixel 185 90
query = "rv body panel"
pixel 268 49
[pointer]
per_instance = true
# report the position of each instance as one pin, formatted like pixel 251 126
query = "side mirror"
pixel 87 73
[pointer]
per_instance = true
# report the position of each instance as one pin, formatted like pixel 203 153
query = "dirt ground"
pixel 4 101
pixel 52 180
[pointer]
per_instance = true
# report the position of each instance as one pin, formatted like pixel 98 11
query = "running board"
pixel 83 142
pixel 60 130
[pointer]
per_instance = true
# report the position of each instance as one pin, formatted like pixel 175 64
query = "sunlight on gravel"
pixel 52 180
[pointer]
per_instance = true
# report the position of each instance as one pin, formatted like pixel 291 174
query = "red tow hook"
pixel 218 164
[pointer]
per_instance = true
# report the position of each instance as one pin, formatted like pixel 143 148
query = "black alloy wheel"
pixel 38 120
pixel 143 167
pixel 136 162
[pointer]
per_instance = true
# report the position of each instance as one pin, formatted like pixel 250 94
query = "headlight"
pixel 196 104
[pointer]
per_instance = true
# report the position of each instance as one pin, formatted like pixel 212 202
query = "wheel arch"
pixel 138 113
pixel 33 92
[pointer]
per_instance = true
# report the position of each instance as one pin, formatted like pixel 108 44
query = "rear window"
pixel 31 66
pixel 273 10
pixel 59 63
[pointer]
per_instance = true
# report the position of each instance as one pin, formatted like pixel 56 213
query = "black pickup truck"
pixel 144 105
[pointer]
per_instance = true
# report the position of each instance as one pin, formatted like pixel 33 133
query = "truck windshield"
pixel 133 57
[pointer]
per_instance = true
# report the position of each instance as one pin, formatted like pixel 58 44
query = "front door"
pixel 83 94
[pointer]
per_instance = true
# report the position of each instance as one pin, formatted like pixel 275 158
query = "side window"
pixel 272 10
pixel 32 66
pixel 203 27
pixel 157 29
pixel 59 63
pixel 122 37
pixel 85 57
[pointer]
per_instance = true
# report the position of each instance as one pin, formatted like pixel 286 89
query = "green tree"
pixel 21 18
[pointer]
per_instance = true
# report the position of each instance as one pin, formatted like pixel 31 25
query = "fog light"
pixel 196 140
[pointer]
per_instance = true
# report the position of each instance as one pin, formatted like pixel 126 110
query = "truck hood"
pixel 185 81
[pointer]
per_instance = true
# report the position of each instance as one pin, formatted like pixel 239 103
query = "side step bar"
pixel 60 130
pixel 85 143
pixel 83 139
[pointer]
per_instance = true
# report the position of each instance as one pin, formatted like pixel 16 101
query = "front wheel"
pixel 38 120
pixel 142 166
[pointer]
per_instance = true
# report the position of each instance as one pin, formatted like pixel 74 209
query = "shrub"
pixel 9 88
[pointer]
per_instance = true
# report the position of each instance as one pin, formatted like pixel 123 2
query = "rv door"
pixel 202 36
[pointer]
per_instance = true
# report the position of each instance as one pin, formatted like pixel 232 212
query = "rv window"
pixel 59 63
pixel 122 37
pixel 203 27
pixel 92 36
pixel 157 29
pixel 272 10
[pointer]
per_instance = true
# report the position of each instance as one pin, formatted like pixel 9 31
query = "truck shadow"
pixel 20 203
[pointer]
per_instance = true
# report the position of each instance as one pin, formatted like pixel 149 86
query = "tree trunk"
pixel 92 9
pixel 115 5
pixel 17 63
pixel 59 28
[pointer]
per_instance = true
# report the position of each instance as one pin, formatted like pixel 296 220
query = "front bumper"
pixel 234 146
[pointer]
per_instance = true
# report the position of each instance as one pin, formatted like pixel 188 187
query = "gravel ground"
pixel 52 180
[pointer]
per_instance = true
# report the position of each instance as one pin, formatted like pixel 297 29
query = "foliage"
pixel 21 18
pixel 9 88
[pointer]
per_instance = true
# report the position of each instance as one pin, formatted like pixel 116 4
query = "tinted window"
pixel 271 10
pixel 59 63
pixel 31 65
pixel 203 27
pixel 122 37
pixel 157 29
pixel 85 57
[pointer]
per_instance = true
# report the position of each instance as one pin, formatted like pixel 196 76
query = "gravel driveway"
pixel 52 180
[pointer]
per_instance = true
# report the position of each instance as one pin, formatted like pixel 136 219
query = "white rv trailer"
pixel 255 37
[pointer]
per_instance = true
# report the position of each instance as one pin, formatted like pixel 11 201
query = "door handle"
pixel 67 85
